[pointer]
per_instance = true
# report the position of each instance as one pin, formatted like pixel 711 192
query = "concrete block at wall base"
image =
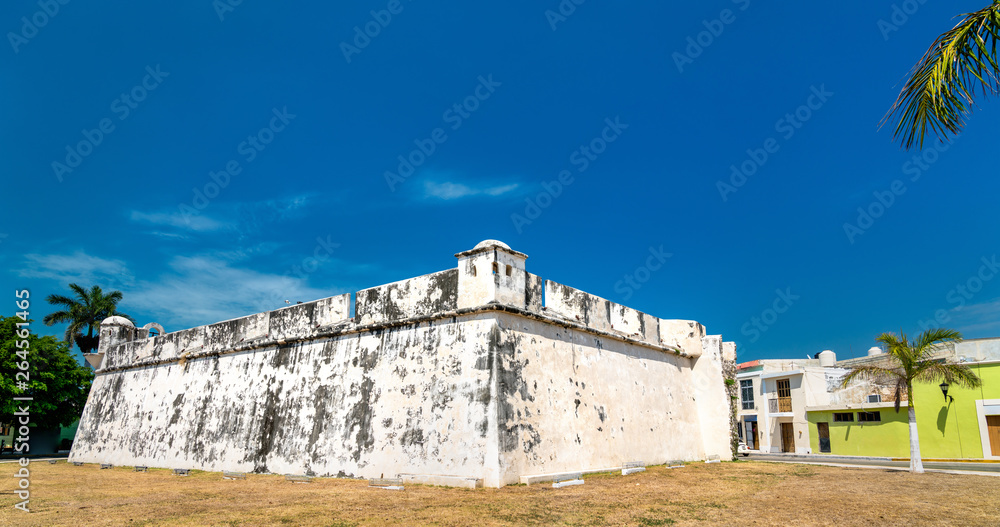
pixel 443 480
pixel 543 478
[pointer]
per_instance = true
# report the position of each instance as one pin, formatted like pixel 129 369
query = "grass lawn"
pixel 741 493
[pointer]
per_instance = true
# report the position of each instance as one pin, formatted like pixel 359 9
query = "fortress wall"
pixel 505 389
pixel 423 295
pixel 533 298
pixel 570 400
pixel 684 334
pixel 123 348
pixel 585 308
pixel 598 313
pixel 410 399
pixel 712 400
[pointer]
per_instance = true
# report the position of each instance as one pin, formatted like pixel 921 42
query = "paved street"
pixel 992 469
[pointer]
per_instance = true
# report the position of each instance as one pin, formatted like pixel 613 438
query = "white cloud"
pixel 244 218
pixel 194 222
pixel 450 191
pixel 195 290
pixel 78 267
pixel 973 320
pixel 206 289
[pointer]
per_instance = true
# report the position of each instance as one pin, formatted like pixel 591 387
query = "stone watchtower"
pixel 491 272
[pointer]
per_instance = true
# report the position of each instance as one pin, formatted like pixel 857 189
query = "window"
pixel 876 398
pixel 784 396
pixel 509 269
pixel 746 394
pixel 869 417
pixel 846 417
pixel 496 268
pixel 473 270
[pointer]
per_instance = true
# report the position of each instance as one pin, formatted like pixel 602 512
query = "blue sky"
pixel 211 161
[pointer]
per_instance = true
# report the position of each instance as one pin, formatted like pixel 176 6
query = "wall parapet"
pixel 349 327
pixel 490 277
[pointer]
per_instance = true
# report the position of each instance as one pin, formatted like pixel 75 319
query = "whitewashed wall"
pixel 461 373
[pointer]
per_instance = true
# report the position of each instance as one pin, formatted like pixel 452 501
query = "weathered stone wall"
pixel 300 320
pixel 420 296
pixel 605 315
pixel 477 372
pixel 409 399
pixel 571 400
pixel 711 398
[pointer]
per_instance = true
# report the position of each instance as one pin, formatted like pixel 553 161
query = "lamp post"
pixel 944 390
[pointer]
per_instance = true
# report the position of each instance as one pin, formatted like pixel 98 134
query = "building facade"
pixel 774 398
pixel 815 414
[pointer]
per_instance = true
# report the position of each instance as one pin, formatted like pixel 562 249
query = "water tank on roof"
pixel 874 350
pixel 827 358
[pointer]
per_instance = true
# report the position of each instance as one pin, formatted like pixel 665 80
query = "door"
pixel 993 426
pixel 787 437
pixel 824 437
pixel 750 437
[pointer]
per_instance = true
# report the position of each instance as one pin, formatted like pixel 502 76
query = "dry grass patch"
pixel 726 493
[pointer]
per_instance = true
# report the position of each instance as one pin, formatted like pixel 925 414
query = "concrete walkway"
pixel 965 467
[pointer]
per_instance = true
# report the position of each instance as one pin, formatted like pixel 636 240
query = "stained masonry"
pixel 484 373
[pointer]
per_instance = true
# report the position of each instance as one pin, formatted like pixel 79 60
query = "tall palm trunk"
pixel 916 465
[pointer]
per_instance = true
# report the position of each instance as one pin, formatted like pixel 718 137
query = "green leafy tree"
pixel 56 382
pixel 86 311
pixel 940 91
pixel 908 362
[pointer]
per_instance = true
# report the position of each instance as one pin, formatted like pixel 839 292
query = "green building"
pixel 965 424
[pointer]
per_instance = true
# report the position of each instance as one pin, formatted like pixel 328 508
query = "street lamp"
pixel 944 389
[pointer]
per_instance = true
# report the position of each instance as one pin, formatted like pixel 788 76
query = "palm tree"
pixel 909 362
pixel 939 92
pixel 87 310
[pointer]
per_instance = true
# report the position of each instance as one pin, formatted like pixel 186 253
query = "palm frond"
pixel 60 300
pixel 953 373
pixel 57 317
pixel 940 90
pixel 871 373
pixel 80 291
pixel 928 341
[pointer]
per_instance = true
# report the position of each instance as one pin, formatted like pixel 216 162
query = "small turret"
pixel 491 272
